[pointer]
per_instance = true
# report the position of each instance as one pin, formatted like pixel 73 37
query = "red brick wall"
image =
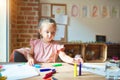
pixel 13 23
pixel 26 16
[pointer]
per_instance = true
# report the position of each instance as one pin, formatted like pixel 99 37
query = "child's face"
pixel 48 31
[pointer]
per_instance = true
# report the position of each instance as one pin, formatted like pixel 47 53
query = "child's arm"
pixel 30 57
pixel 68 59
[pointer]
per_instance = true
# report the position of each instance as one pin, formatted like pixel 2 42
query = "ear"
pixel 39 31
pixel 39 34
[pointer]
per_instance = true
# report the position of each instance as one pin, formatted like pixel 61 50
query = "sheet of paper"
pixel 18 71
pixel 46 10
pixel 60 32
pixel 95 68
pixel 61 19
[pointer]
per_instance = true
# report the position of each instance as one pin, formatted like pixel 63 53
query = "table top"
pixel 66 72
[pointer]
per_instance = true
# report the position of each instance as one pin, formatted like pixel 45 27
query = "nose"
pixel 49 35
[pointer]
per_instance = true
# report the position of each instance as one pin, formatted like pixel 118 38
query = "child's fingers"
pixel 31 62
pixel 79 60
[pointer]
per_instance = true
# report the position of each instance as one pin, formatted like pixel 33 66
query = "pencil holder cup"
pixel 112 70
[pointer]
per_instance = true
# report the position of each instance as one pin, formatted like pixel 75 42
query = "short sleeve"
pixel 60 47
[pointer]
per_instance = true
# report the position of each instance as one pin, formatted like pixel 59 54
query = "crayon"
pixel 80 65
pixel 45 69
pixel 49 74
pixel 37 66
pixel 57 64
pixel 75 69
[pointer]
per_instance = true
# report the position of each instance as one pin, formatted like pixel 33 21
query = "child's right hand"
pixel 31 61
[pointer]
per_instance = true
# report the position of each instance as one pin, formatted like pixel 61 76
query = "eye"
pixel 47 31
pixel 52 32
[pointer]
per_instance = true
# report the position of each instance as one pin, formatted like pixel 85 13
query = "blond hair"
pixel 48 21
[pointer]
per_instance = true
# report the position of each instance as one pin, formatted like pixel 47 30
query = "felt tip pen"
pixel 45 69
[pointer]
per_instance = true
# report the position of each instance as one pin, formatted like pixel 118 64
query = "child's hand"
pixel 31 61
pixel 78 60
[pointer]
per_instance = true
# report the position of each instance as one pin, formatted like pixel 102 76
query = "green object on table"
pixel 57 64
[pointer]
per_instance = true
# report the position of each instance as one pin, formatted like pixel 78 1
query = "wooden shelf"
pixel 74 49
pixel 113 50
pixel 95 52
pixel 98 51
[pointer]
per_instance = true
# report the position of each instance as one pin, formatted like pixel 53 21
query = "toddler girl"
pixel 46 49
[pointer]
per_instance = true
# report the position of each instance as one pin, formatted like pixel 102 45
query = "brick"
pixel 14 35
pixel 28 40
pixel 26 8
pixel 20 40
pixel 14 31
pixel 23 26
pixel 25 44
pixel 32 31
pixel 22 31
pixel 13 20
pixel 20 22
pixel 28 22
pixel 35 36
pixel 20 17
pixel 35 22
pixel 31 0
pixel 32 4
pixel 21 4
pixel 36 9
pixel 30 18
pixel 34 0
pixel 25 36
pixel 29 13
pixel 13 26
pixel 24 0
pixel 13 40
pixel 18 45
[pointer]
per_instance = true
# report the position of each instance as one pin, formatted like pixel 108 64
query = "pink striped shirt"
pixel 45 52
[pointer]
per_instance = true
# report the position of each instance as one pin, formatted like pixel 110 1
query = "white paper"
pixel 61 19
pixel 60 32
pixel 46 10
pixel 18 71
pixel 96 68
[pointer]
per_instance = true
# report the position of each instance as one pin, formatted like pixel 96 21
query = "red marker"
pixel 48 75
